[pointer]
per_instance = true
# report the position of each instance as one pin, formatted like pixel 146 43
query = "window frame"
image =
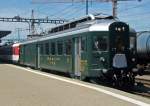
pixel 53 48
pixel 41 49
pixel 47 47
pixel 84 38
pixel 62 48
pixel 66 42
pixel 101 48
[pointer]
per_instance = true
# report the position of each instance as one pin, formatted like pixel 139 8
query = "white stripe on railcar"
pixel 15 58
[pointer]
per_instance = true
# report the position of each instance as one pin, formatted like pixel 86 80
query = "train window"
pixel 41 49
pixel 100 43
pixel 68 44
pixel 66 26
pixel 47 48
pixel 60 47
pixel 83 44
pixel 53 48
pixel 73 24
pixel 60 28
pixel 55 29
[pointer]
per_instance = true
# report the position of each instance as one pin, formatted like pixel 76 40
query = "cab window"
pixel 100 43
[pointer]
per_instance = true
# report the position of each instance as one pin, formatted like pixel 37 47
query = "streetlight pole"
pixel 114 4
pixel 87 7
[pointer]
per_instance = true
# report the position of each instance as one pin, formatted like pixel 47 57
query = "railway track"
pixel 145 82
pixel 142 87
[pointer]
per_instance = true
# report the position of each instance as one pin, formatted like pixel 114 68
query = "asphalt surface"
pixel 19 87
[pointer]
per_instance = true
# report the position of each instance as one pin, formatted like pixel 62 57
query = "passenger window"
pixel 68 44
pixel 60 47
pixel 83 44
pixel 41 49
pixel 99 43
pixel 53 48
pixel 47 48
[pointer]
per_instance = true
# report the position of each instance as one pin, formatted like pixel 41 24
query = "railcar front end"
pixel 113 58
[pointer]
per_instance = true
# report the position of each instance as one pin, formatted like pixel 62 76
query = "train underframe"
pixel 122 77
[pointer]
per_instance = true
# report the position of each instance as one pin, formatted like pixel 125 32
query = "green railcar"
pixel 91 47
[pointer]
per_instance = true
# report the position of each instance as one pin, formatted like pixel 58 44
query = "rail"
pixel 142 87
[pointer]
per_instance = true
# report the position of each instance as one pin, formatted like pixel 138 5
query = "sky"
pixel 136 14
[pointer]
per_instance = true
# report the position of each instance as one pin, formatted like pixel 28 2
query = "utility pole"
pixel 114 8
pixel 32 23
pixel 87 7
pixel 114 5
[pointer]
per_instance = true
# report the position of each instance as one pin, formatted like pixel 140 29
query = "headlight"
pixel 102 59
pixel 133 59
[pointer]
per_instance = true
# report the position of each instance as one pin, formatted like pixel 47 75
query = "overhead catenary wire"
pixel 58 11
pixel 114 2
pixel 67 10
pixel 134 7
pixel 75 12
pixel 141 14
pixel 123 13
pixel 61 12
pixel 98 11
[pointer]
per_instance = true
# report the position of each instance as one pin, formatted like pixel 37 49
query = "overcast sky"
pixel 136 14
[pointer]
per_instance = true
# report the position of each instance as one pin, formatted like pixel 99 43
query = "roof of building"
pixel 4 33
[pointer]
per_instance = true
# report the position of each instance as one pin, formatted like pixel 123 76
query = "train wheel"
pixel 72 75
pixel 82 78
pixel 117 81
pixel 131 80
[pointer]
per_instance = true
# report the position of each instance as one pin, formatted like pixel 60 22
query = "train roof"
pixel 15 44
pixel 4 33
pixel 92 23
pixel 75 23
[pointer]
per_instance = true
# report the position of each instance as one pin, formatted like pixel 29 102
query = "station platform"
pixel 27 87
pixel 146 77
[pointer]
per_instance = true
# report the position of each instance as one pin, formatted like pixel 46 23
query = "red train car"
pixel 15 52
pixel 10 52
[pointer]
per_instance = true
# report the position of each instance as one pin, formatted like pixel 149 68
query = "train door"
pixel 38 56
pixel 77 56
